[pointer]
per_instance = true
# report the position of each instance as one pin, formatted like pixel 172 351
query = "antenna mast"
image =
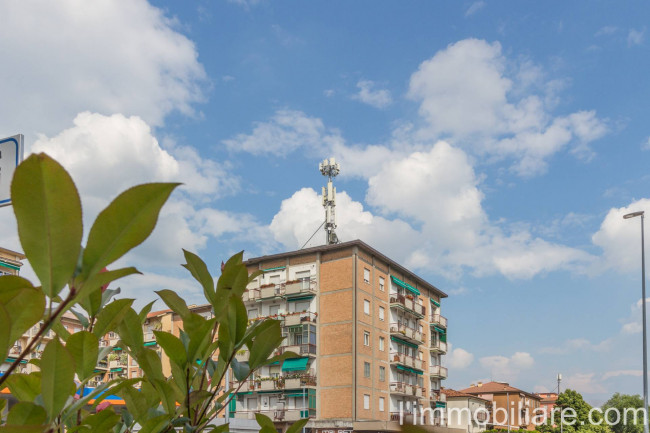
pixel 330 168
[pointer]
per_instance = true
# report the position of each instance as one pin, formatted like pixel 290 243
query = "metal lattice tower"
pixel 330 168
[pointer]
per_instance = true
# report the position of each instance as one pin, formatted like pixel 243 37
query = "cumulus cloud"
pixel 507 368
pixel 108 57
pixel 471 93
pixel 459 359
pixel 620 239
pixel 285 132
pixel 632 324
pixel 635 37
pixel 368 94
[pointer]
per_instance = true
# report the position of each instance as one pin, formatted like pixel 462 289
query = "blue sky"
pixel 492 147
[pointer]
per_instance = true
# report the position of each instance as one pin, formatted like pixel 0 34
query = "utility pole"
pixel 330 168
pixel 559 381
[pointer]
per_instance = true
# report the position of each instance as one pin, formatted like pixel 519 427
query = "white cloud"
pixel 587 383
pixel 606 30
pixel 65 57
pixel 617 373
pixel 474 7
pixel 635 37
pixel 471 93
pixel 459 359
pixel 378 98
pixel 646 144
pixel 507 369
pixel 579 344
pixel 632 324
pixel 286 132
pixel 620 239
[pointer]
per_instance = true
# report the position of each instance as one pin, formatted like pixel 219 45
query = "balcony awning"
pixel 7 265
pixel 150 343
pixel 406 343
pixel 434 302
pixel 301 298
pixel 279 268
pixel 441 404
pixel 409 369
pixel 405 285
pixel 295 364
pixel 11 360
pixel 116 370
pixel 439 329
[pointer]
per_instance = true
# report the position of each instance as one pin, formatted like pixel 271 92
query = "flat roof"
pixel 355 243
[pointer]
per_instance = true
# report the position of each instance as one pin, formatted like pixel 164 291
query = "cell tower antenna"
pixel 331 169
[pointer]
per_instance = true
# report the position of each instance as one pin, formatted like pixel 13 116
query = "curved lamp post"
pixel 645 349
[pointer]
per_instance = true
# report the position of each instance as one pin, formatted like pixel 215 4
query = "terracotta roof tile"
pixel 495 387
pixel 453 393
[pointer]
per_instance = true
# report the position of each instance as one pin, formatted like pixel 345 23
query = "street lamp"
pixel 645 348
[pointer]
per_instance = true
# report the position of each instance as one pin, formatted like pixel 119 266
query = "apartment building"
pixel 548 401
pixel 510 407
pixel 369 333
pixel 10 262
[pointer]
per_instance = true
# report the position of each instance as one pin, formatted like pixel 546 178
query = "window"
pixel 303 306
pixel 382 374
pixel 366 401
pixel 381 404
pixel 252 314
pixel 382 310
pixel 381 343
pixel 366 369
pixel 366 275
pixel 366 338
pixel 274 310
pixel 382 283
pixel 366 306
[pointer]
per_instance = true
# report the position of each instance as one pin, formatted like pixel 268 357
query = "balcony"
pixel 300 287
pixel 277 415
pixel 242 355
pixel 293 319
pixel 438 371
pixel 15 350
pixel 270 291
pixel 252 294
pixel 117 363
pixel 439 320
pixel 436 395
pixel 407 304
pixel 406 389
pixel 296 381
pixel 149 336
pixel 438 346
pixel 409 361
pixel 406 333
pixel 300 349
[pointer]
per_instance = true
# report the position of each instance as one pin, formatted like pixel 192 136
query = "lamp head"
pixel 633 214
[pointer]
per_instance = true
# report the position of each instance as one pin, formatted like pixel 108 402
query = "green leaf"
pixel 48 211
pixel 172 346
pixel 24 387
pixel 57 377
pixel 150 363
pixel 130 330
pixel 84 348
pixel 174 302
pixel 136 403
pixel 11 285
pixel 94 284
pixel 199 271
pixel 5 331
pixel 26 413
pixel 156 424
pixel 124 224
pixel 81 317
pixel 23 429
pixel 110 316
pixel 145 311
pixel 237 319
pixel 25 310
pixel 240 369
pixel 263 345
pixel 101 421
pixel 265 423
pixel 297 426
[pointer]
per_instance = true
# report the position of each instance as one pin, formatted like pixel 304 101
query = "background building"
pixel 548 400
pixel 466 411
pixel 511 407
pixel 10 262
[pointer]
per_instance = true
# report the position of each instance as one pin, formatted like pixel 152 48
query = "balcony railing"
pixel 439 320
pixel 408 304
pixel 436 395
pixel 438 346
pixel 406 389
pixel 407 333
pixel 149 336
pixel 276 414
pixel 409 361
pixel 269 291
pixel 289 289
pixel 15 350
pixel 301 349
pixel 438 371
pixel 299 287
pixel 293 381
pixel 292 319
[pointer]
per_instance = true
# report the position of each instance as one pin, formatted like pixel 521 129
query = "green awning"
pixel 98 371
pixel 117 348
pixel 116 370
pixel 405 285
pixel 278 268
pixel 300 298
pixel 150 343
pixel 406 343
pixel 11 360
pixel 439 329
pixel 296 395
pixel 409 369
pixel 434 302
pixel 441 404
pixel 295 364
pixel 7 265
